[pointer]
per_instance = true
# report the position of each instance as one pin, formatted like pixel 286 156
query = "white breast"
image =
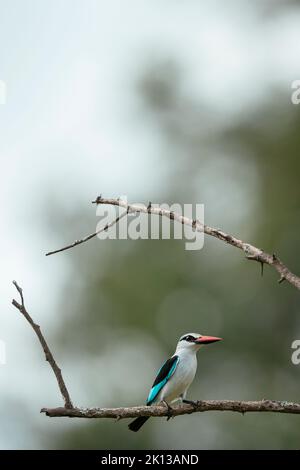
pixel 181 379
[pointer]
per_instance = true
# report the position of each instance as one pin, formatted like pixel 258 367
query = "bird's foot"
pixel 194 404
pixel 170 410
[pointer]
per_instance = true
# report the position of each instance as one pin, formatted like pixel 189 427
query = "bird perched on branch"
pixel 176 375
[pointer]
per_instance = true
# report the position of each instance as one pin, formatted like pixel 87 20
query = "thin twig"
pixel 160 411
pixel 48 354
pixel 88 237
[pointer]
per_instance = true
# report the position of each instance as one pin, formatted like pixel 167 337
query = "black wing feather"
pixel 164 370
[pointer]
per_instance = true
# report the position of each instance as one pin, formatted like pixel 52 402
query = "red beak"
pixel 207 339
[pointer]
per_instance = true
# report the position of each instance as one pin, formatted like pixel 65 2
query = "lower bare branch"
pixel 48 354
pixel 161 411
pixel 133 412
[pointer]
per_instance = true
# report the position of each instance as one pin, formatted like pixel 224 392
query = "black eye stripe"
pixel 188 338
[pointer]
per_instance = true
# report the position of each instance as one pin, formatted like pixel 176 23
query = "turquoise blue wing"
pixel 164 374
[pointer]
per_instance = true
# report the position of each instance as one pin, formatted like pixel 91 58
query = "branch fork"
pixel 49 357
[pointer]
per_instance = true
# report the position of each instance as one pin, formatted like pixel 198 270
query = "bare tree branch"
pixel 48 354
pixel 251 251
pixel 88 237
pixel 160 411
pixel 157 410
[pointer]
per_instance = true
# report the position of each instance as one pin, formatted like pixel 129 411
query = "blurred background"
pixel 168 101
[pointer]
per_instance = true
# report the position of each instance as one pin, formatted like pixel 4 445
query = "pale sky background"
pixel 69 67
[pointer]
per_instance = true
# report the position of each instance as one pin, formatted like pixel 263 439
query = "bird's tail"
pixel 138 423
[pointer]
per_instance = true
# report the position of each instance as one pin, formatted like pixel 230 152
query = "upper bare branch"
pixel 251 252
pixel 48 354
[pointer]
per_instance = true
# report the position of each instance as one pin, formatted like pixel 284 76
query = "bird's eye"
pixel 189 338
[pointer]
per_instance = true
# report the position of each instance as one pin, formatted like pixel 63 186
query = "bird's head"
pixel 194 341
